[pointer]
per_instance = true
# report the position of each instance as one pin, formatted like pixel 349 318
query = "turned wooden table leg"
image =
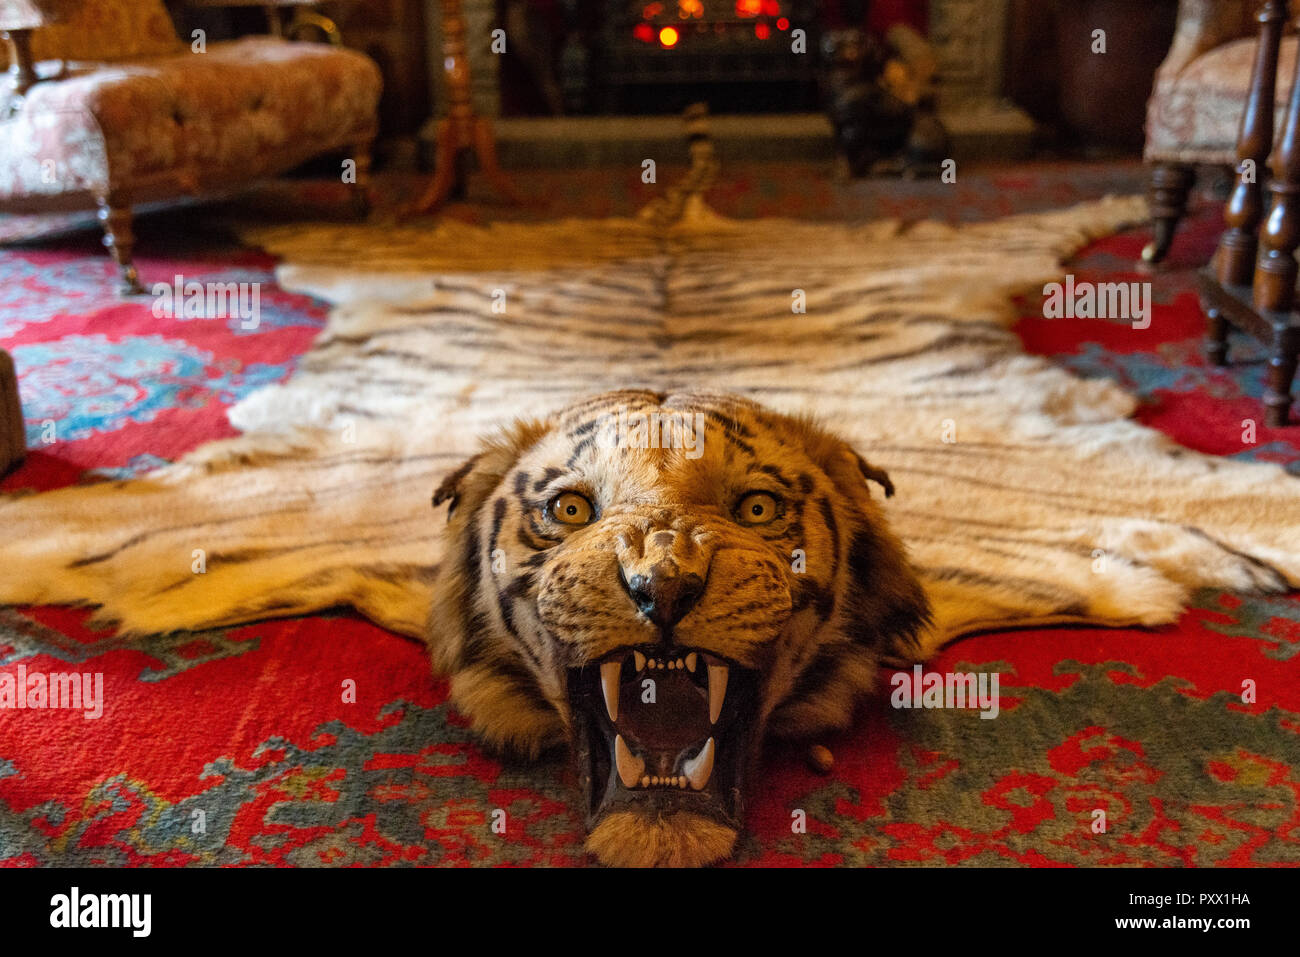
pixel 485 145
pixel 1167 195
pixel 13 434
pixel 462 130
pixel 1235 260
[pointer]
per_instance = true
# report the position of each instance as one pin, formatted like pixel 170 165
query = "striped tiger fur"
pixel 1025 495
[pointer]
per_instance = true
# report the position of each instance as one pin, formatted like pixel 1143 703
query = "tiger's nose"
pixel 665 595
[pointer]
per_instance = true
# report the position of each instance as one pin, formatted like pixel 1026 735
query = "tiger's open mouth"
pixel 664 730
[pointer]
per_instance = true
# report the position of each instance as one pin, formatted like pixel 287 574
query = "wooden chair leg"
pixel 1216 338
pixel 1281 372
pixel 119 240
pixel 1274 269
pixel 13 434
pixel 1170 187
pixel 1234 263
pixel 1275 272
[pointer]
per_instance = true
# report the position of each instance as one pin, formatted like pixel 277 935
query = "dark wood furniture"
pixel 304 17
pixel 13 438
pixel 392 33
pixel 1250 282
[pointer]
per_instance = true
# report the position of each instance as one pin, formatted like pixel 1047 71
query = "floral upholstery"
pixel 249 108
pixel 1196 119
pixel 1195 109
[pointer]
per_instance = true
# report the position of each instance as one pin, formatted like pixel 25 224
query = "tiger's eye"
pixel 571 509
pixel 756 508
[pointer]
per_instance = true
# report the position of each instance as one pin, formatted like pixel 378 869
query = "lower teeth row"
pixel 672 782
pixel 697 771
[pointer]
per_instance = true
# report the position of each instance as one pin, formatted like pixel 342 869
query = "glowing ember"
pixel 768 14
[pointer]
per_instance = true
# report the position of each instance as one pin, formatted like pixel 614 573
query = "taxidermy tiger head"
pixel 659 581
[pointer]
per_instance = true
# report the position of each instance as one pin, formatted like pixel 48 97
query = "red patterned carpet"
pixel 236 746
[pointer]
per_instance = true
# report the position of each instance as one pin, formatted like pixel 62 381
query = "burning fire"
pixel 766 17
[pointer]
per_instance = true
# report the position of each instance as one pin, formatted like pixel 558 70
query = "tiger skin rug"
pixel 1025 495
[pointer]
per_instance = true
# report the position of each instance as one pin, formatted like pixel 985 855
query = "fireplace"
pixel 734 54
pixel 649 58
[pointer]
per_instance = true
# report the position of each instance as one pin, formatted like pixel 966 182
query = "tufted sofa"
pixel 1195 110
pixel 125 113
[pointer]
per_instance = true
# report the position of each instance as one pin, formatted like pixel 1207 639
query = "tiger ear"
pixel 887 608
pixel 476 477
pixel 449 488
pixel 873 474
pixel 837 458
